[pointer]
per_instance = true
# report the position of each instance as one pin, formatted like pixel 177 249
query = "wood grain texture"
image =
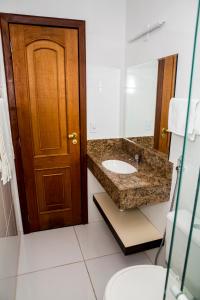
pixel 67 156
pixel 45 62
pixel 53 192
pixel 165 91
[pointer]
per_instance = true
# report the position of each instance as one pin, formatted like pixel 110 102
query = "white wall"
pixel 93 187
pixel 103 109
pixel 140 106
pixel 105 41
pixel 175 37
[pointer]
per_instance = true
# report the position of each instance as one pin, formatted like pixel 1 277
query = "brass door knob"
pixel 164 133
pixel 73 136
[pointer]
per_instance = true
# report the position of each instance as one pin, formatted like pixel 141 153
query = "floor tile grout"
pixel 67 264
pixel 75 262
pixel 78 242
pixel 50 268
pixel 86 265
pixel 95 257
pixel 82 260
pixel 105 255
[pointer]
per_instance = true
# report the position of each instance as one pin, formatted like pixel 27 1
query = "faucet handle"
pixel 137 158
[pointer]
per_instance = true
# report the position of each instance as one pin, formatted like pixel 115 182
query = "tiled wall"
pixel 9 245
pixel 7 216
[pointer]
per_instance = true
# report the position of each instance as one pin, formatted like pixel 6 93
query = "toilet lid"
pixel 137 283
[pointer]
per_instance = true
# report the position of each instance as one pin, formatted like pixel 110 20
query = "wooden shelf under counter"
pixel 131 228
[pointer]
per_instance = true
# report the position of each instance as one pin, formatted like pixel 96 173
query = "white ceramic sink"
pixel 119 167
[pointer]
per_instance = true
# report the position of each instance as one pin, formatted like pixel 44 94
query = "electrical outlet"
pixel 93 128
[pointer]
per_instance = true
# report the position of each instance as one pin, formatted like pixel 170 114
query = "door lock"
pixel 164 133
pixel 73 136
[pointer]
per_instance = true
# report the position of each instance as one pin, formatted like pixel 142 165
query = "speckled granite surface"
pixel 151 184
pixel 145 141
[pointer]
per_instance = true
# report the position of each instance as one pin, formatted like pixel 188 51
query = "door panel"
pixel 46 78
pixel 52 191
pixel 46 71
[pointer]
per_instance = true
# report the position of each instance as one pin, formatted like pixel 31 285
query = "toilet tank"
pixel 183 224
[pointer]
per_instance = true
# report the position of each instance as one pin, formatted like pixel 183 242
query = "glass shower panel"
pixel 190 280
pixel 183 224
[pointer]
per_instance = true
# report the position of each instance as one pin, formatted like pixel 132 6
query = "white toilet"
pixel 183 224
pixel 137 283
pixel 148 281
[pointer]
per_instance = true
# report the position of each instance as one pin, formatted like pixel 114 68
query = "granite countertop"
pixel 149 185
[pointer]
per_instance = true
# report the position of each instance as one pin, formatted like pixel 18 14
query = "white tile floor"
pixel 96 240
pixel 73 263
pixel 47 249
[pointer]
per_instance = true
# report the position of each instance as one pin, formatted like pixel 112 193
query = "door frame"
pixel 159 97
pixel 5 20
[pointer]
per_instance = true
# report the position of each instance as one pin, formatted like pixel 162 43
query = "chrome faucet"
pixel 137 158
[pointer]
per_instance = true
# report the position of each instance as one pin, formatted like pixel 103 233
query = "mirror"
pixel 149 88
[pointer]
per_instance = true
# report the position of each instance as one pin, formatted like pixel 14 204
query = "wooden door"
pixel 46 82
pixel 166 89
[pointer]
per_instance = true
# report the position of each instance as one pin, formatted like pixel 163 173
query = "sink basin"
pixel 119 167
